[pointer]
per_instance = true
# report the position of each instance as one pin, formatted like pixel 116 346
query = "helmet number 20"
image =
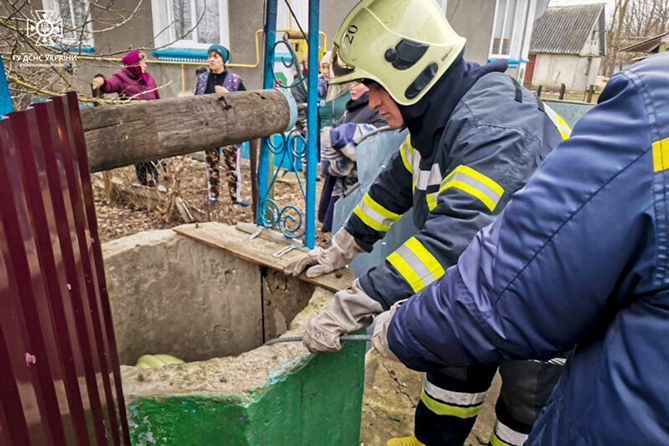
pixel 349 36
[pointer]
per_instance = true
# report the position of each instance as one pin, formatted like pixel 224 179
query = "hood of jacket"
pixel 427 118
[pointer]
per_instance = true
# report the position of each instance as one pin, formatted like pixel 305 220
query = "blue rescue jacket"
pixel 579 257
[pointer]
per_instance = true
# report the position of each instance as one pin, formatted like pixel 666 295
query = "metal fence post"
pixel 6 105
pixel 312 119
pixel 268 82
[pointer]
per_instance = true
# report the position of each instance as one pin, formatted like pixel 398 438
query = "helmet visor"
pixel 338 67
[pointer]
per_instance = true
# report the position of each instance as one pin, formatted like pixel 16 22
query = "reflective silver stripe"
pixel 450 397
pixel 371 213
pixel 554 361
pixel 424 178
pixel 416 264
pixel 508 435
pixel 476 184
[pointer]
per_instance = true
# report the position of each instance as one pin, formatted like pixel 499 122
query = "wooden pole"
pixel 562 90
pixel 106 175
pixel 591 91
pixel 120 135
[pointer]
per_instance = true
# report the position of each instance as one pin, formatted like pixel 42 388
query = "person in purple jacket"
pixel 133 83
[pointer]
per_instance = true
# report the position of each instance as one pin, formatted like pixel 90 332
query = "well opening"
pixel 200 294
pixel 174 295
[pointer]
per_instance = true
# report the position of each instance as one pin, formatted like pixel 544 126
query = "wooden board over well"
pixel 258 250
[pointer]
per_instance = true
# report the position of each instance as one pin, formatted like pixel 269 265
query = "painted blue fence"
pixel 287 149
pixel 6 105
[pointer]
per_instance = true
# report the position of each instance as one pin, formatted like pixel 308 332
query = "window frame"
pixel 53 5
pixel 518 24
pixel 165 35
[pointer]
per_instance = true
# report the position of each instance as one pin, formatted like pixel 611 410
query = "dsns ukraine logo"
pixel 47 27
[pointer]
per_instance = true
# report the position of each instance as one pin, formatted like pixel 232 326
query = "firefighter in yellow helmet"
pixel 476 136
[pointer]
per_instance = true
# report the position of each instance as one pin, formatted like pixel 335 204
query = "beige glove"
pixel 337 256
pixel 380 335
pixel 350 310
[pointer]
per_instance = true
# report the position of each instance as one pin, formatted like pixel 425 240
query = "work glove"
pixel 349 310
pixel 337 256
pixel 326 140
pixel 380 334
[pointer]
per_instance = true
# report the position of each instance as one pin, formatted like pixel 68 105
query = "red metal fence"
pixel 59 374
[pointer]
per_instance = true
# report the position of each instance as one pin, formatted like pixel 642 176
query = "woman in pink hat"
pixel 133 83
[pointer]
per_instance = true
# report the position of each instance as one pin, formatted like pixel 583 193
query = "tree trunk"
pixel 622 10
pixel 120 135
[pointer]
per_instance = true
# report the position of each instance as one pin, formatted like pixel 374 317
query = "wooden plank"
pixel 259 251
pixel 267 234
pixel 120 135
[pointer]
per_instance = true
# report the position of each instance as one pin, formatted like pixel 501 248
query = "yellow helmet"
pixel 403 45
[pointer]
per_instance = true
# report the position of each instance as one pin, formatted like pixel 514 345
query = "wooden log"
pixel 120 135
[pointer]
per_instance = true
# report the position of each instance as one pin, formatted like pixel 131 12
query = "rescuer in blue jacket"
pixel 580 257
pixel 476 136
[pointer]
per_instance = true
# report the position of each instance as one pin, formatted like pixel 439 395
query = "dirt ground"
pixel 123 217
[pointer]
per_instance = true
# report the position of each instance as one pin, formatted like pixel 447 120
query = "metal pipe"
pixel 183 80
pixel 170 62
pixel 268 82
pixel 312 128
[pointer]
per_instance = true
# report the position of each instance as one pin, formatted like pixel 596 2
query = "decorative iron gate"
pixel 288 219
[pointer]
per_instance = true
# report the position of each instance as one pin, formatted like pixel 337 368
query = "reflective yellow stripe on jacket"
pixel 431 200
pixel 406 152
pixel 416 264
pixel 474 183
pixel 374 215
pixel 560 124
pixel 661 155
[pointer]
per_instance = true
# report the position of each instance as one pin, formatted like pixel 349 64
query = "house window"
pixel 285 20
pixel 75 14
pixel 190 23
pixel 509 27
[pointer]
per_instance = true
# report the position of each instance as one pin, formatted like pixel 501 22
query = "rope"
pixel 299 338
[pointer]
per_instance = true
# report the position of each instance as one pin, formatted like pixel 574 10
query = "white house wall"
pixel 472 18
pixel 551 71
